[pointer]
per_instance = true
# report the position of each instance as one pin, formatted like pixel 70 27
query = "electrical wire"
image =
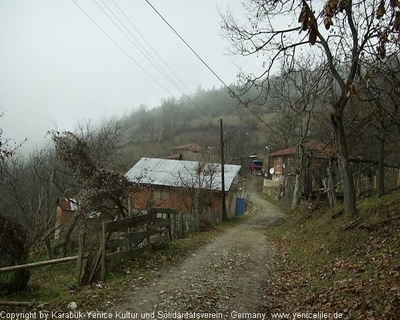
pixel 121 48
pixel 136 43
pixel 127 54
pixel 231 92
pixel 161 59
pixel 150 46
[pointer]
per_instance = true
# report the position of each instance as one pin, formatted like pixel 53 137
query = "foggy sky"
pixel 57 67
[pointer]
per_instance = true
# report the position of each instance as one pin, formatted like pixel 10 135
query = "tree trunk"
pixel 357 182
pixel 300 165
pixel 344 163
pixel 296 188
pixel 381 168
pixel 307 179
pixel 331 184
pixel 68 235
pixel 48 248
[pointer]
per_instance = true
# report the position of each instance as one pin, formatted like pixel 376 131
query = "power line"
pixel 172 81
pixel 136 44
pixel 127 54
pixel 184 41
pixel 209 68
pixel 121 48
pixel 150 46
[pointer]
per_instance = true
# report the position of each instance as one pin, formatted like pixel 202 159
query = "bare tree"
pixel 14 245
pixel 28 191
pixel 197 186
pixel 6 149
pixel 379 93
pixel 99 189
pixel 300 91
pixel 352 30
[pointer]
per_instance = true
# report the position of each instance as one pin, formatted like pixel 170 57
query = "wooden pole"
pixel 81 250
pixel 18 303
pixel 169 227
pixel 39 264
pixel 174 234
pixel 103 253
pixel 182 225
pixel 331 184
pixel 224 213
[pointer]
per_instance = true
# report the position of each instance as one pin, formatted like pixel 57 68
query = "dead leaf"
pixel 328 22
pixel 394 3
pixel 313 36
pixel 381 10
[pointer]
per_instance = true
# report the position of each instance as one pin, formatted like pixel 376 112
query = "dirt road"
pixel 226 275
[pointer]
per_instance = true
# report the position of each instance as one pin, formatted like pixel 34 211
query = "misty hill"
pixel 154 131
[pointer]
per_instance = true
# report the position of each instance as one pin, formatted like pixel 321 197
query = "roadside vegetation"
pixel 54 287
pixel 334 263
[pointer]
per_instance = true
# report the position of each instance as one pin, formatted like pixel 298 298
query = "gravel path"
pixel 224 276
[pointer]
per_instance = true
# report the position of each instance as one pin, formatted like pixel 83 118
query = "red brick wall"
pixel 178 200
pixel 64 216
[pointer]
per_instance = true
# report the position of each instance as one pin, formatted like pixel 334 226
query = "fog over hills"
pixel 59 67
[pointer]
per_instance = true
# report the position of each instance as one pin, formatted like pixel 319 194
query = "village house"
pixel 283 166
pixel 66 210
pixel 284 161
pixel 186 186
pixel 194 152
pixel 320 162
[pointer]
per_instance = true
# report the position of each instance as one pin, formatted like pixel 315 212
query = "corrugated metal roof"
pixel 174 173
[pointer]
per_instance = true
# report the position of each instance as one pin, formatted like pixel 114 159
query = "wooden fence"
pixel 126 238
pixel 120 239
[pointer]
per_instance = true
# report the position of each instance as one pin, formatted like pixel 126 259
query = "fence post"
pixel 81 250
pixel 103 252
pixel 169 226
pixel 174 217
pixel 182 226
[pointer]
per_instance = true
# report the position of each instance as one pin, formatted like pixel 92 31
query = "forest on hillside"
pixel 154 131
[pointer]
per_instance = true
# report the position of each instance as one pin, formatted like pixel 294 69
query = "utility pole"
pixel 224 213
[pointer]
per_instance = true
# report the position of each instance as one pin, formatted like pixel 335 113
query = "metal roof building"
pixel 174 173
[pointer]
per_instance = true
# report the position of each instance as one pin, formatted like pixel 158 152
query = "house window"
pixel 164 194
pixel 156 195
pixel 160 194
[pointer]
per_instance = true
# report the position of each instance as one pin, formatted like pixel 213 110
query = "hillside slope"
pixel 332 263
pixel 155 132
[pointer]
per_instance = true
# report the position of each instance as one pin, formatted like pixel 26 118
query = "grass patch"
pixel 268 198
pixel 284 203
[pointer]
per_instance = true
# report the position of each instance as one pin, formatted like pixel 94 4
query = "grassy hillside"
pixel 332 263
